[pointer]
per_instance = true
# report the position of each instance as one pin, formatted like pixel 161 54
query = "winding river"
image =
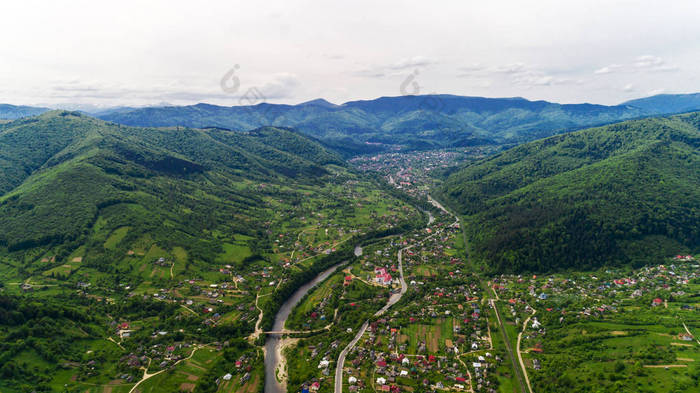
pixel 274 340
pixel 273 345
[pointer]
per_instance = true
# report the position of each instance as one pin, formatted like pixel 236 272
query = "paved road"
pixel 395 297
pixel 343 354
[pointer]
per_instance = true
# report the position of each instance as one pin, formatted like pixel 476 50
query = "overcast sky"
pixel 230 52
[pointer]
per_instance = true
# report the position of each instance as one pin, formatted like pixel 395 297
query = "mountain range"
pixel 405 122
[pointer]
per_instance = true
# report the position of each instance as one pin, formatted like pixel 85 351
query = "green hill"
pixel 624 193
pixel 62 170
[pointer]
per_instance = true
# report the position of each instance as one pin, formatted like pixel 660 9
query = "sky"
pixel 86 54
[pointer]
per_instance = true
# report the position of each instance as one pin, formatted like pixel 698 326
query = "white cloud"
pixel 608 69
pixel 341 52
pixel 643 63
pixel 513 68
pixel 412 62
pixel 653 63
pixel 281 86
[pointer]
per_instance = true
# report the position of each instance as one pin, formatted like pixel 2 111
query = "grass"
pixel 116 237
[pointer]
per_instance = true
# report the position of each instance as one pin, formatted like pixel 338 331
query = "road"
pixel 520 356
pixel 691 334
pixel 395 297
pixel 146 375
pixel 343 354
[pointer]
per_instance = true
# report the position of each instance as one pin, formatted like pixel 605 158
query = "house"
pixel 383 279
pixel 656 302
pixel 536 364
pixel 352 380
pixel 381 381
pixel 315 386
pixel 227 377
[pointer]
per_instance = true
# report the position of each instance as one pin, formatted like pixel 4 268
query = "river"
pixel 274 341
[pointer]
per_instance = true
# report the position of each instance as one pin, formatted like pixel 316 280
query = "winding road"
pixel 395 297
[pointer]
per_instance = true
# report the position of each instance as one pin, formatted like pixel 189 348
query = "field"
pixel 434 336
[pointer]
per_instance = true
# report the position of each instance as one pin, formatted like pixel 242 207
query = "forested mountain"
pixel 667 103
pixel 60 169
pixel 623 193
pixel 175 231
pixel 12 112
pixel 414 122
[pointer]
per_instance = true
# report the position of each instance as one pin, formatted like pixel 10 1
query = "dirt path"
pixel 691 334
pixel 258 331
pixel 146 375
pixel 471 388
pixel 188 309
pixel 118 344
pixel 520 356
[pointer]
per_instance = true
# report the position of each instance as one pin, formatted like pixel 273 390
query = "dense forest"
pixel 624 193
pixel 409 122
pixel 61 169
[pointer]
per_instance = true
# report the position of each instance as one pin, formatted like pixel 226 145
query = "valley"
pixel 308 273
pixel 287 196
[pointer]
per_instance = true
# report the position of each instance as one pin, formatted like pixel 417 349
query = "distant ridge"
pixel 409 122
pixel 12 112
pixel 668 103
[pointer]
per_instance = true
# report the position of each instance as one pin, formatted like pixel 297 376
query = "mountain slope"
pixel 413 122
pixel 12 112
pixel 667 103
pixel 61 169
pixel 624 193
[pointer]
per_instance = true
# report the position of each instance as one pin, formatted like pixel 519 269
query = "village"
pixel 642 320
